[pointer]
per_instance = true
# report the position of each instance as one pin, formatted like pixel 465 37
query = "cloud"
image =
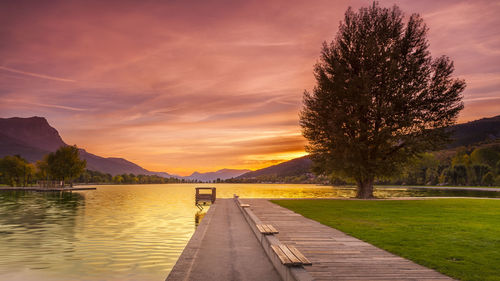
pixel 28 103
pixel 36 75
pixel 200 85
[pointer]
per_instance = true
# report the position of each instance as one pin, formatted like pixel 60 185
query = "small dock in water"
pixel 202 197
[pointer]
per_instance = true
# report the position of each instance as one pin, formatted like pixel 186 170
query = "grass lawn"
pixel 437 186
pixel 458 237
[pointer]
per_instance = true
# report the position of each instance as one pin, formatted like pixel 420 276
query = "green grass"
pixel 458 237
pixel 438 186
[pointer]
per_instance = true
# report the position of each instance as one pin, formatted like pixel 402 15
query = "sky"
pixel 182 86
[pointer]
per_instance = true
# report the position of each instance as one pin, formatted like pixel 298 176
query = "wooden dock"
pixel 44 189
pixel 335 255
pixel 223 247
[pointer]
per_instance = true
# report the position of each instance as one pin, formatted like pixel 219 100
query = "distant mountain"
pixel 34 132
pixel 33 137
pixel 220 174
pixel 294 167
pixel 485 129
pixel 469 133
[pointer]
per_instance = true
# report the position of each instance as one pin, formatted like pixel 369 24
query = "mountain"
pixel 33 132
pixel 33 137
pixel 294 167
pixel 485 129
pixel 220 174
pixel 116 166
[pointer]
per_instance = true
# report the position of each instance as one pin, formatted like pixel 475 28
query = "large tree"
pixel 65 163
pixel 379 99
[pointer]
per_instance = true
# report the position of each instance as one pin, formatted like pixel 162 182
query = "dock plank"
pixel 334 254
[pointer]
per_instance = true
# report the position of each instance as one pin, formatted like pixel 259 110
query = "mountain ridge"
pixel 33 137
pixel 221 174
pixel 484 129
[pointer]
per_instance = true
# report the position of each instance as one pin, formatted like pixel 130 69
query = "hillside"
pixel 220 174
pixel 33 137
pixel 485 129
pixel 482 130
pixel 294 167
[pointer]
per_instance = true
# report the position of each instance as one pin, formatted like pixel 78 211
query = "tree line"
pixel 307 178
pixel 66 166
pixel 465 166
pixel 95 177
pixel 62 165
pixel 478 166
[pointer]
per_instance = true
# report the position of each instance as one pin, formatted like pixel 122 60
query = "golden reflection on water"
pixel 125 232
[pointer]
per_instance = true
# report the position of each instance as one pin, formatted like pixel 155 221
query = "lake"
pixel 124 232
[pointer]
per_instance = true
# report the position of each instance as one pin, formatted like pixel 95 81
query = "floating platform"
pixel 44 189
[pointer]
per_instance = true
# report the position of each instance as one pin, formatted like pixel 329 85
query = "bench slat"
pixel 290 255
pixel 266 228
pixel 299 255
pixel 283 258
pixel 259 227
pixel 273 230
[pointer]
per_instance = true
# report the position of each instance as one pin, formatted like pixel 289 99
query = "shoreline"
pixel 42 189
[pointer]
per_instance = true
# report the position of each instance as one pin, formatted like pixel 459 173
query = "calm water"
pixel 133 232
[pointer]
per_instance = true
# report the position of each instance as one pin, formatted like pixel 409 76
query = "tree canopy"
pixel 15 170
pixel 65 163
pixel 379 99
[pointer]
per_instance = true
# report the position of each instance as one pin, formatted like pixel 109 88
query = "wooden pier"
pixel 335 255
pixel 223 247
pixel 254 239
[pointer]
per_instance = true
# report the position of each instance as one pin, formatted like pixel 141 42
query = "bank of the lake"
pixel 458 237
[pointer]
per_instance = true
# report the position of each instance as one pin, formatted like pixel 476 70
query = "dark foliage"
pixel 380 97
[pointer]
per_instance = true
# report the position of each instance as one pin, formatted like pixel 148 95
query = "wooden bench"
pixel 267 229
pixel 289 255
pixel 244 205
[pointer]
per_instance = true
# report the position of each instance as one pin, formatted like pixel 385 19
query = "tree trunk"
pixel 365 189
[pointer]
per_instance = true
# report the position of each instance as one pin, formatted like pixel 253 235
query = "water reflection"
pixel 35 228
pixel 126 232
pixel 198 217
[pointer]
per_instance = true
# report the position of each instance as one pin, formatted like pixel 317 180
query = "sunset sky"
pixel 179 86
